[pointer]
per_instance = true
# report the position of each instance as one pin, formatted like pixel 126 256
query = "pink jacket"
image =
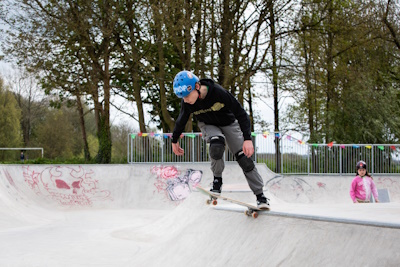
pixel 362 187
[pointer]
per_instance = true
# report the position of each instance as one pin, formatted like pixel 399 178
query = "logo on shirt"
pixel 216 107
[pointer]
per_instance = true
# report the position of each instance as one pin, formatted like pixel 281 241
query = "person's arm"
pixel 241 116
pixel 353 191
pixel 178 129
pixel 244 122
pixel 374 191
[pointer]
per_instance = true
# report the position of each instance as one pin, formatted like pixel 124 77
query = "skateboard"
pixel 251 209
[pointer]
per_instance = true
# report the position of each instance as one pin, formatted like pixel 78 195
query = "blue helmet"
pixel 184 83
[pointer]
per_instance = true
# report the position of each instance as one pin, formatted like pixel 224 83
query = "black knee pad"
pixel 245 163
pixel 217 147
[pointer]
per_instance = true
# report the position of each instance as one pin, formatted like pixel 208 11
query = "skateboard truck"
pixel 212 200
pixel 251 212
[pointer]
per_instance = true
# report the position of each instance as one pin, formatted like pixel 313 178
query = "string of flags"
pixel 264 134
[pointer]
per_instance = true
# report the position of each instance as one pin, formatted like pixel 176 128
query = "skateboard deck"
pixel 252 210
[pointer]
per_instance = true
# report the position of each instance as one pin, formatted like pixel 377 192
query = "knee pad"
pixel 217 147
pixel 245 163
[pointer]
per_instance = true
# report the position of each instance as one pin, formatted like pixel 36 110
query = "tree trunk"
pixel 83 129
pixel 275 85
pixel 161 65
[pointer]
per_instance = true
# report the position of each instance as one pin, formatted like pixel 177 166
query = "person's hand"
pixel 177 149
pixel 248 148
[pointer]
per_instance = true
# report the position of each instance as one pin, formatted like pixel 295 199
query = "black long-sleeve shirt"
pixel 219 108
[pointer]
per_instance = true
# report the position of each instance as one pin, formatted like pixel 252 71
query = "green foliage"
pixel 10 114
pixel 347 91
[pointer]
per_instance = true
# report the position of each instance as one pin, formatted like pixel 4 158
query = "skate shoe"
pixel 217 186
pixel 262 202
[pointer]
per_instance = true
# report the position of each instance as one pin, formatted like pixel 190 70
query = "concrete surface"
pixel 152 215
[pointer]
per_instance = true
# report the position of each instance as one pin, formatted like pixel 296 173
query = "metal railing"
pixel 282 154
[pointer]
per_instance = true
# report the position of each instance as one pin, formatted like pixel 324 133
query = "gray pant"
pixel 234 139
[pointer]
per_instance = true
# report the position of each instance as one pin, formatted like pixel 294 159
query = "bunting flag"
pixel 265 134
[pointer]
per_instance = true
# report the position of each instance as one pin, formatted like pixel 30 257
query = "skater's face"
pixel 362 172
pixel 192 97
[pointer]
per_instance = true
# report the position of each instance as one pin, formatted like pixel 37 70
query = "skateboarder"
pixel 222 120
pixel 363 185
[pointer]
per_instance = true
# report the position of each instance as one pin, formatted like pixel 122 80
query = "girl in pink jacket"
pixel 363 185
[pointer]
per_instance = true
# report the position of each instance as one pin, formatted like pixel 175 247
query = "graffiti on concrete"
pixel 294 186
pixel 68 186
pixel 175 184
pixel 388 183
pixel 321 185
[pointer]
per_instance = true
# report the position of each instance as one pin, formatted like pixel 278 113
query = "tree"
pixel 56 135
pixel 10 114
pixel 30 99
pixel 71 44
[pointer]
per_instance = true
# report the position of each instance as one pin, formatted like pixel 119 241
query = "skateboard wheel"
pixel 214 202
pixel 208 202
pixel 255 215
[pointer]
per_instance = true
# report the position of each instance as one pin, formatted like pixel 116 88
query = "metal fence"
pixel 281 153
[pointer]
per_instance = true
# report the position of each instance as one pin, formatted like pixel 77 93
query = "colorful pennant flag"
pixel 342 146
pixel 330 144
pixel 369 147
pixel 381 148
pixel 191 135
pixel 393 147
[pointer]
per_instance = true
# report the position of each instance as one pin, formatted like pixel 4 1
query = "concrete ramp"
pixel 152 215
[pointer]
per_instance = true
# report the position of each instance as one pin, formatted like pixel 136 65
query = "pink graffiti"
pixel 386 182
pixel 167 172
pixel 176 187
pixel 67 186
pixel 321 185
pixel 9 178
